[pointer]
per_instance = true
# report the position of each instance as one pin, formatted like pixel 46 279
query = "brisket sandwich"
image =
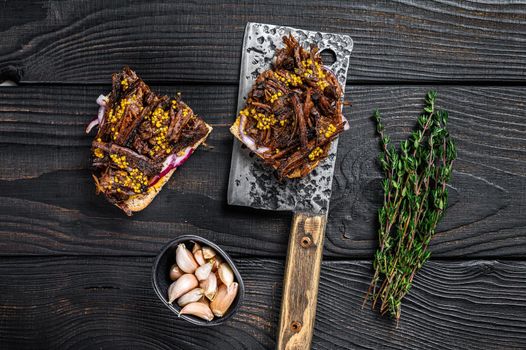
pixel 293 112
pixel 142 139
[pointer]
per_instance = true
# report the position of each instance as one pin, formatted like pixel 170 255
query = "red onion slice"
pixel 91 125
pixel 261 150
pixel 247 140
pixel 102 101
pixel 173 161
pixel 100 114
pixel 346 125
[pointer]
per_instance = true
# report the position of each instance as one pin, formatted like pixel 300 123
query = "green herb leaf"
pixel 415 197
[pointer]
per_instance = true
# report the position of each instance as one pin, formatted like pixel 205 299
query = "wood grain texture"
pixel 300 281
pixel 100 302
pixel 84 41
pixel 48 205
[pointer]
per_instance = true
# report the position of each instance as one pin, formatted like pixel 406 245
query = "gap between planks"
pixel 239 258
pixel 475 83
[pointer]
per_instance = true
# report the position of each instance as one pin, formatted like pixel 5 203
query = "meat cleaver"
pixel 252 184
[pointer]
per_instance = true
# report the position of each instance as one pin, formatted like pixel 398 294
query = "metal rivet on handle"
pixel 306 242
pixel 295 326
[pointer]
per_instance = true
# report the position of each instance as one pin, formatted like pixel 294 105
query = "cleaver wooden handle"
pixel 300 284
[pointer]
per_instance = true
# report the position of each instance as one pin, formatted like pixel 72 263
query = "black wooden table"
pixel 75 272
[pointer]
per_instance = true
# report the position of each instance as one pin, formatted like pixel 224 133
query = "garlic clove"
pixel 203 272
pixel 184 284
pixel 200 310
pixel 198 255
pixel 210 286
pixel 175 272
pixel 224 298
pixel 217 262
pixel 204 300
pixel 196 247
pixel 190 297
pixel 185 259
pixel 208 253
pixel 225 274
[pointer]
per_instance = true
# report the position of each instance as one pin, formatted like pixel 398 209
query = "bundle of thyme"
pixel 415 198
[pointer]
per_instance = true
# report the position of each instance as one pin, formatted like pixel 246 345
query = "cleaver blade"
pixel 251 183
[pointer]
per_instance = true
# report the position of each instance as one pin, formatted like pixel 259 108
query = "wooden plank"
pixel 79 41
pixel 97 302
pixel 48 205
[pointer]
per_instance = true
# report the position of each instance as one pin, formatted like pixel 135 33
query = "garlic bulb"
pixel 183 284
pixel 224 298
pixel 185 259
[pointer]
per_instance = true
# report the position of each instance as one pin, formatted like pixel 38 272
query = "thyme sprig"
pixel 415 198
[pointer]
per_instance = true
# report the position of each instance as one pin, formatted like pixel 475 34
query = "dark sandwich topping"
pixel 293 111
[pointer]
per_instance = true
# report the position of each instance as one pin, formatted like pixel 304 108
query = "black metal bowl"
pixel 161 279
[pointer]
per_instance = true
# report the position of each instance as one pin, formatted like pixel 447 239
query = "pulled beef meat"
pixel 293 111
pixel 140 129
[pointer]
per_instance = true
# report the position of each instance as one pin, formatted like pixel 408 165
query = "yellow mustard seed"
pixel 124 84
pixel 98 153
pixel 315 153
pixel 331 129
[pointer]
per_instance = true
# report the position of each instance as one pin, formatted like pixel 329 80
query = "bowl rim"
pixel 176 308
